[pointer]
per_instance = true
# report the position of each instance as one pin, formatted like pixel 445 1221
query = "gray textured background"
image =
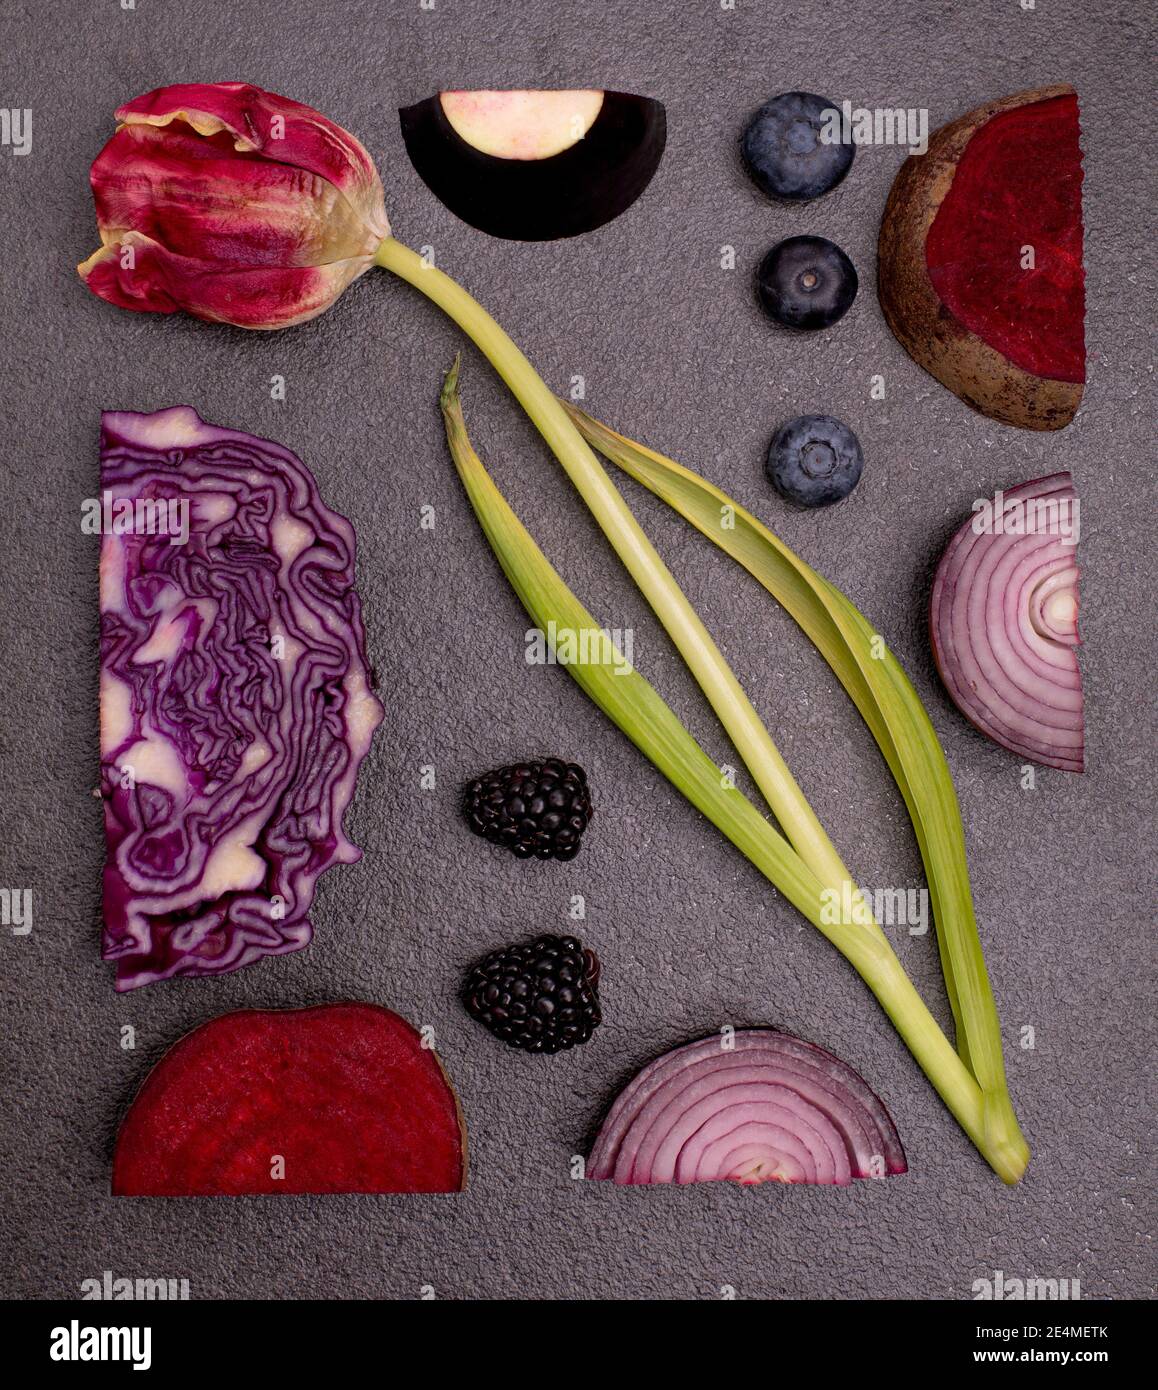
pixel 675 352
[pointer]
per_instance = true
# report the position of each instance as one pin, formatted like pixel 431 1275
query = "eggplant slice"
pixel 563 194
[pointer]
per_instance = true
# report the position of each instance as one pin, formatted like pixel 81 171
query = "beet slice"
pixel 345 1095
pixel 955 285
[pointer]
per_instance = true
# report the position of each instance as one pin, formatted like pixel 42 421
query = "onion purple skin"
pixel 227 759
pixel 754 1105
pixel 1003 628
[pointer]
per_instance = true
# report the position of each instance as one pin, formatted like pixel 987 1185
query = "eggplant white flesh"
pixel 521 125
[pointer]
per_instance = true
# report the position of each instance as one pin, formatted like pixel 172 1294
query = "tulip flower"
pixel 234 204
pixel 246 208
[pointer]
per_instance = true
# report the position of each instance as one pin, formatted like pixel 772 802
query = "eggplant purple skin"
pixel 563 195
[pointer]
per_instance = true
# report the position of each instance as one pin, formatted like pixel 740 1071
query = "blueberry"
pixel 814 460
pixel 806 282
pixel 786 149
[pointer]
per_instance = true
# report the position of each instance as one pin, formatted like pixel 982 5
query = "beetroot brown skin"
pixel 1007 340
pixel 344 1095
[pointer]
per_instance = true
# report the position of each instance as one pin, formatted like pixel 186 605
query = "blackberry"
pixel 536 809
pixel 539 995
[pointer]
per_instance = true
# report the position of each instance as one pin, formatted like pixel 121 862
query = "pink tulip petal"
pixel 308 140
pixel 198 201
pixel 136 273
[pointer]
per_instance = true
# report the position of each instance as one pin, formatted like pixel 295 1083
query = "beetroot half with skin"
pixel 337 1098
pixel 767 1108
pixel 980 258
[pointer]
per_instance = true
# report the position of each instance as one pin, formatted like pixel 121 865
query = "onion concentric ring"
pixel 1003 622
pixel 750 1106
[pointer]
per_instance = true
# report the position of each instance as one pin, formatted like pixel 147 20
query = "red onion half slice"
pixel 1004 622
pixel 751 1106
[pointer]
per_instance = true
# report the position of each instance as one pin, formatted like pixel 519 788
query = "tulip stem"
pixel 986 1118
pixel 695 644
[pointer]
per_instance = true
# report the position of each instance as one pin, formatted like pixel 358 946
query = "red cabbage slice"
pixel 235 695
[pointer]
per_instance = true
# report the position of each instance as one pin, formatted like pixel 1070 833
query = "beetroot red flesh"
pixel 1018 184
pixel 344 1095
pixel 769 1107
